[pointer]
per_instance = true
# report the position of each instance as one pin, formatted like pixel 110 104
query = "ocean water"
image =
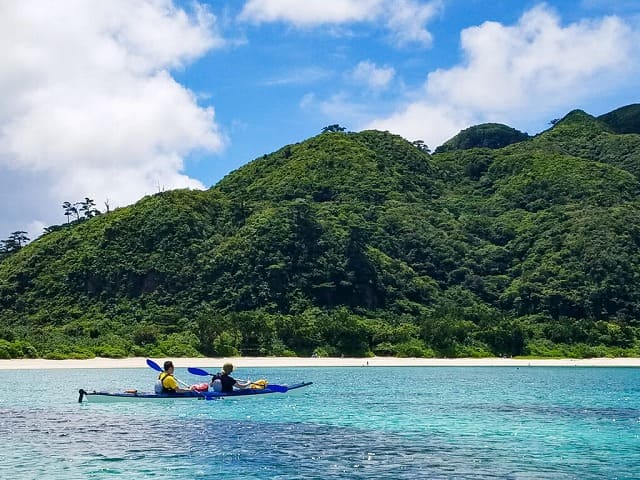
pixel 352 423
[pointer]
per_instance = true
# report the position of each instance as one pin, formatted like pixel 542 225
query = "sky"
pixel 121 99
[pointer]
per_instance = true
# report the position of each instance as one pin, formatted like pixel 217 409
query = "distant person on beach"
pixel 224 382
pixel 166 382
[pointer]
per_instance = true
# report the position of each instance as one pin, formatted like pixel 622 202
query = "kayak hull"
pixel 97 396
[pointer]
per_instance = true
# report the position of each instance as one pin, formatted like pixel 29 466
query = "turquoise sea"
pixel 353 423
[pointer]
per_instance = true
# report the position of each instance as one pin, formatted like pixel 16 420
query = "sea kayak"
pixel 95 396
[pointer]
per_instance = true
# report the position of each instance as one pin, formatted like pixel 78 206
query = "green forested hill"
pixel 356 243
pixel 486 135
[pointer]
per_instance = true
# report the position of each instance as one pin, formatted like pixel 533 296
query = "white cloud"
pixel 300 76
pixel 311 12
pixel 88 106
pixel 523 71
pixel 307 100
pixel 405 19
pixel 374 77
pixel 431 123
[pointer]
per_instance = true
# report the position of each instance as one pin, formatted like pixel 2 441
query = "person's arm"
pixel 183 390
pixel 171 382
pixel 242 384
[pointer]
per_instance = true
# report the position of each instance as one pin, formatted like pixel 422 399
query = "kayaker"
pixel 224 382
pixel 166 382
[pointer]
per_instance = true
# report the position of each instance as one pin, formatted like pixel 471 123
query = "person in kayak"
pixel 224 382
pixel 166 382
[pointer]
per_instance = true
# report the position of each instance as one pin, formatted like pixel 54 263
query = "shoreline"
pixel 269 362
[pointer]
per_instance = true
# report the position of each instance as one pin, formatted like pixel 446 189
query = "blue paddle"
pixel 154 365
pixel 200 372
pixel 270 386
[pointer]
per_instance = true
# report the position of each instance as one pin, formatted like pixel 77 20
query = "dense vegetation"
pixel 355 244
pixel 486 135
pixel 623 120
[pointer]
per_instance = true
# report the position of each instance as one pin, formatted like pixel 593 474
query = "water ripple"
pixel 95 444
pixel 453 424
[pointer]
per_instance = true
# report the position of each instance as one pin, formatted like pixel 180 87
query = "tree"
pixel 333 128
pixel 88 207
pixel 420 145
pixel 70 209
pixel 19 237
pixel 14 243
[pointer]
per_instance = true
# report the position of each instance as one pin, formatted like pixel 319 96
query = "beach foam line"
pixel 240 362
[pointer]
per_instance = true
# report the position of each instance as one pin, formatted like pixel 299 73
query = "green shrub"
pixel 413 348
pixel 226 345
pixel 472 351
pixel 83 354
pixel 55 355
pixel 325 351
pixel 6 334
pixel 145 335
pixel 279 349
pixel 17 349
pixel 284 352
pixel 384 349
pixel 581 350
pixel 138 351
pixel 110 351
pixel 542 348
pixel 180 345
pixel 6 350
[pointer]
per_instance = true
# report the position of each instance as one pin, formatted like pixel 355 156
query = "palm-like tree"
pixel 15 242
pixel 19 237
pixel 88 207
pixel 70 209
pixel 333 128
pixel 420 145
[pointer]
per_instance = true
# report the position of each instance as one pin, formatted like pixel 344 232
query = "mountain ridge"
pixel 355 243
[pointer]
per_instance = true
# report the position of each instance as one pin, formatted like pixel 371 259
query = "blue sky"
pixel 258 85
pixel 115 100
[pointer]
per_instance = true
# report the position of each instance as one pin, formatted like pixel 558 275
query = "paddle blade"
pixel 199 371
pixel 154 365
pixel 278 388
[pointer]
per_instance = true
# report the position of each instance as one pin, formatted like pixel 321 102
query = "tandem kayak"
pixel 95 396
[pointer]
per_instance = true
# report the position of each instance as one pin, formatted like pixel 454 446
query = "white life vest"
pixel 159 387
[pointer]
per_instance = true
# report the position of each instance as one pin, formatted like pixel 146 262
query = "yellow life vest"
pixel 167 383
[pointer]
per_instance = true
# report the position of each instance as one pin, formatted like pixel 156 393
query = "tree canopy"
pixel 486 135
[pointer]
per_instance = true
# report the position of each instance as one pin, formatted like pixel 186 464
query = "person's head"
pixel 168 366
pixel 227 368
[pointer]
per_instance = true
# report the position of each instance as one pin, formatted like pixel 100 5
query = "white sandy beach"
pixel 239 362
